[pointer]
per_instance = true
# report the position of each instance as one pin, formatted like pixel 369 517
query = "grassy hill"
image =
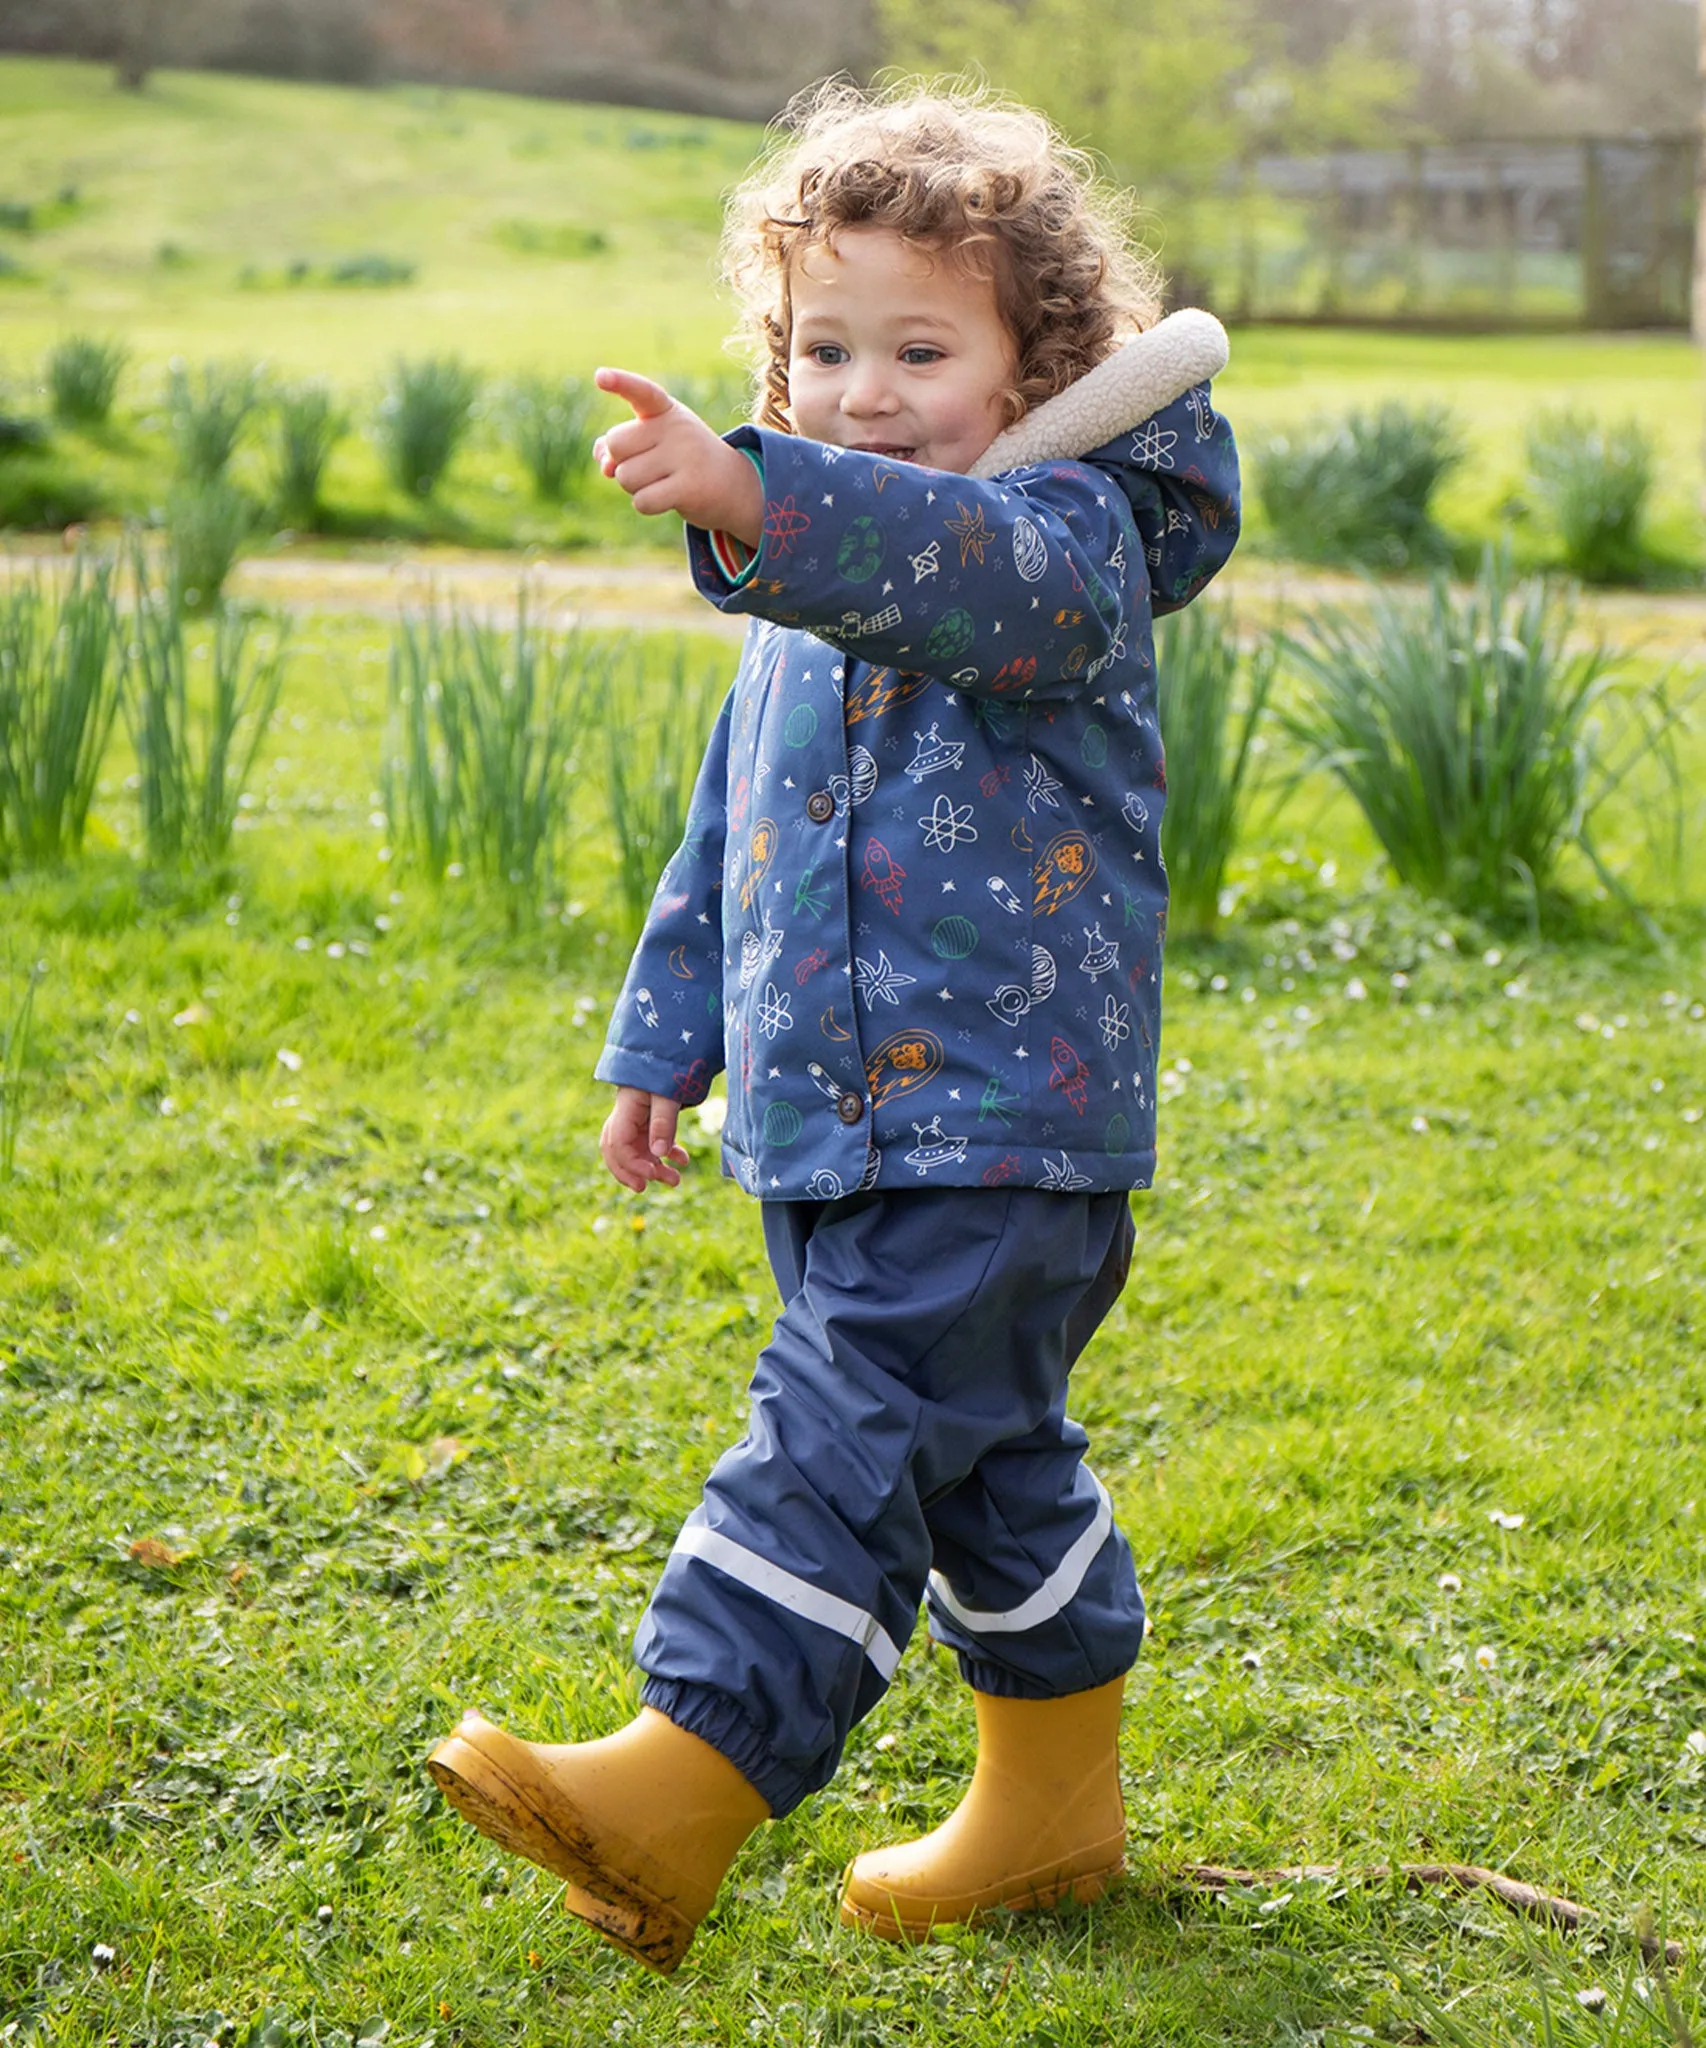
pixel 539 233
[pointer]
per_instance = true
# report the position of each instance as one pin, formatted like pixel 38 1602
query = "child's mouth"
pixel 889 450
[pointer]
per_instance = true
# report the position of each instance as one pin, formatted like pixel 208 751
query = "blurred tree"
pixel 1171 98
pixel 136 39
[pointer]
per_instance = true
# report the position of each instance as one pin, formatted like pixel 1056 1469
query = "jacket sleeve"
pixel 1181 476
pixel 666 1033
pixel 1010 587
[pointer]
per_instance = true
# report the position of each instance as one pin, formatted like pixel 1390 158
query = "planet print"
pixel 1093 747
pixel 801 725
pixel 1030 551
pixel 949 638
pixel 860 554
pixel 782 1124
pixel 954 938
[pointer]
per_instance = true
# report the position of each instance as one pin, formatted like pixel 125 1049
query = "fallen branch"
pixel 1466 1877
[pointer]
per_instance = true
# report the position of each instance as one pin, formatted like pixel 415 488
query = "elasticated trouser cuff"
pixel 722 1722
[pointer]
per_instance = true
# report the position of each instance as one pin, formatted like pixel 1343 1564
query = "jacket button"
pixel 849 1106
pixel 820 807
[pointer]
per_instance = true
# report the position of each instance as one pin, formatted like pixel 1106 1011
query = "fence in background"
pixel 1585 233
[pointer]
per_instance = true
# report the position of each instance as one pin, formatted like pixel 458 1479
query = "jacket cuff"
pixel 686 1084
pixel 733 559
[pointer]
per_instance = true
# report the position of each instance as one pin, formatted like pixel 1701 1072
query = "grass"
pixel 339 1387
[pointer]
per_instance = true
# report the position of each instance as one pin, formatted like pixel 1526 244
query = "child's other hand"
pixel 668 460
pixel 638 1140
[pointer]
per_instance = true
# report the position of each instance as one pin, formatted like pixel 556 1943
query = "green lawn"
pixel 194 201
pixel 342 1390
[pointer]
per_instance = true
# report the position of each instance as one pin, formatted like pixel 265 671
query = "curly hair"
pixel 955 170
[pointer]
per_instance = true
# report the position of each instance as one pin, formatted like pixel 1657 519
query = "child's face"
pixel 897 350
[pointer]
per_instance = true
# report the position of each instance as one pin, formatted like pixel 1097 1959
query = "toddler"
pixel 918 917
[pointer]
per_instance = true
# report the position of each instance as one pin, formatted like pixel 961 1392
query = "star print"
pixel 880 981
pixel 787 782
pixel 943 996
pixel 953 1095
pixel 687 1038
pixel 971 533
pixel 948 888
pixel 828 498
pixel 1020 1053
pixel 704 918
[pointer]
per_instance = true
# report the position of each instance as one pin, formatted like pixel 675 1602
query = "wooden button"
pixel 849 1106
pixel 820 807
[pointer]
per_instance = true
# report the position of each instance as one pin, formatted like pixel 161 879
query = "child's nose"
pixel 868 390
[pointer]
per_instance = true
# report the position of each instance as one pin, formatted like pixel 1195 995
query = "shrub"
pixel 1476 734
pixel 651 758
pixel 550 424
pixel 478 740
pixel 1209 739
pixel 423 417
pixel 1593 483
pixel 206 526
pixel 310 425
pixel 371 269
pixel 208 414
pixel 82 379
pixel 1360 489
pixel 62 662
pixel 195 751
pixel 19 433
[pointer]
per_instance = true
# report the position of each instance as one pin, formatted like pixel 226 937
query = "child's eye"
pixel 827 353
pixel 921 356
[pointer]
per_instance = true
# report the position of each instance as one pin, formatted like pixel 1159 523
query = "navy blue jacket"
pixel 919 910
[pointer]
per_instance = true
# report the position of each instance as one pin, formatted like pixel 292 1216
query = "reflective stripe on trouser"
pixel 908 1424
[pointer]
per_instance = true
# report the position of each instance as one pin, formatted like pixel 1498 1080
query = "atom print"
pixel 948 825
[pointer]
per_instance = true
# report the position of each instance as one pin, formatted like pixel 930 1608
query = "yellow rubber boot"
pixel 1042 1821
pixel 642 1824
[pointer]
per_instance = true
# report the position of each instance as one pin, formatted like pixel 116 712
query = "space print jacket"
pixel 919 909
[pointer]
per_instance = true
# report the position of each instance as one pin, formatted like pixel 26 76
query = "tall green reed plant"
pixel 423 417
pixel 82 379
pixel 14 1051
pixel 1360 489
pixel 208 411
pixel 1477 734
pixel 206 526
pixel 550 428
pixel 1209 727
pixel 199 710
pixel 1592 483
pixel 309 424
pixel 62 675
pixel 654 729
pixel 479 737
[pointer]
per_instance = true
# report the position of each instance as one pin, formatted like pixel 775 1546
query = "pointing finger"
pixel 647 399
